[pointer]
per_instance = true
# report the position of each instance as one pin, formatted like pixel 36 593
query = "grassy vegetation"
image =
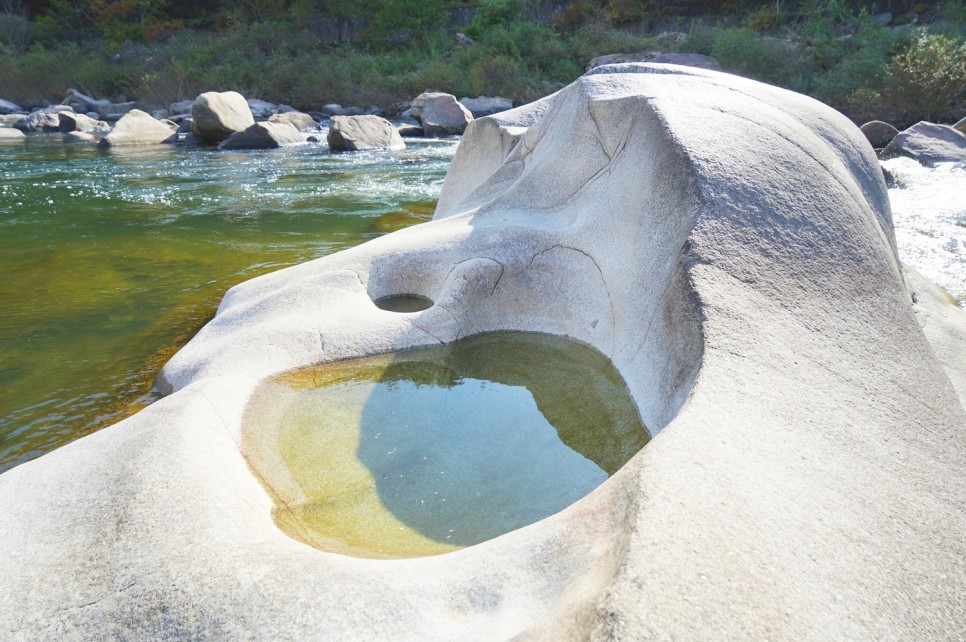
pixel 133 50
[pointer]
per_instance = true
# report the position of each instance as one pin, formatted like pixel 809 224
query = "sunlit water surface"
pixel 110 261
pixel 929 211
pixel 431 450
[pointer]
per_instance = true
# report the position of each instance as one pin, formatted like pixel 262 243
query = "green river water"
pixel 112 260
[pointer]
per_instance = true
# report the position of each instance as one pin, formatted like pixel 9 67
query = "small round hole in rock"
pixel 404 303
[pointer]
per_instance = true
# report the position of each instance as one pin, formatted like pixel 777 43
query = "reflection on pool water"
pixel 431 450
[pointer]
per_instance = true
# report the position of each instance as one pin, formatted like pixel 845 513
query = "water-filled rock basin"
pixel 431 450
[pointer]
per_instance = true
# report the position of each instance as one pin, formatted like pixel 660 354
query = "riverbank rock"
pixel 218 115
pixel 138 128
pixel 266 135
pixel 44 120
pixel 9 135
pixel 440 114
pixel 300 121
pixel 878 133
pixel 9 120
pixel 71 122
pixel 7 107
pixel 657 57
pixel 360 133
pixel 960 126
pixel 929 143
pixel 486 105
pixel 806 481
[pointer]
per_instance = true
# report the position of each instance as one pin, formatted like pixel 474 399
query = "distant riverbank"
pixel 900 68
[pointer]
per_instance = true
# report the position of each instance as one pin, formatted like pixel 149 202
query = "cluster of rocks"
pixel 926 142
pixel 230 121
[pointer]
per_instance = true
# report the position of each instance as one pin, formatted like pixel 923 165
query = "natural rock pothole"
pixel 431 450
pixel 404 303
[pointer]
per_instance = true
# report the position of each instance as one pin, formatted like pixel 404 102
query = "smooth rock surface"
pixel 218 115
pixel 878 133
pixel 266 135
pixel 960 126
pixel 9 120
pixel 71 122
pixel 81 137
pixel 929 143
pixel 10 135
pixel 299 120
pixel 806 482
pixel 39 121
pixel 138 128
pixel 359 133
pixel 440 114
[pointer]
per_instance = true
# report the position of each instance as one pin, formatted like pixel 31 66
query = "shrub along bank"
pixel 825 48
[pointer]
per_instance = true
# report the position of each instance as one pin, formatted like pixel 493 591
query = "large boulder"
pixel 43 120
pixel 71 122
pixel 218 115
pixel 9 120
pixel 7 107
pixel 265 135
pixel 8 135
pixel 360 133
pixel 138 128
pixel 878 133
pixel 486 105
pixel 300 121
pixel 929 143
pixel 807 481
pixel 440 114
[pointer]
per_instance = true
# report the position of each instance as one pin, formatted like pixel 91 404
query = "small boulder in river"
pixel 71 122
pixel 218 115
pixel 929 143
pixel 261 109
pixel 440 114
pixel 138 128
pixel 8 135
pixel 266 135
pixel 410 131
pixel 81 137
pixel 486 105
pixel 359 133
pixel 879 133
pixel 300 121
pixel 7 107
pixel 180 107
pixel 44 120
